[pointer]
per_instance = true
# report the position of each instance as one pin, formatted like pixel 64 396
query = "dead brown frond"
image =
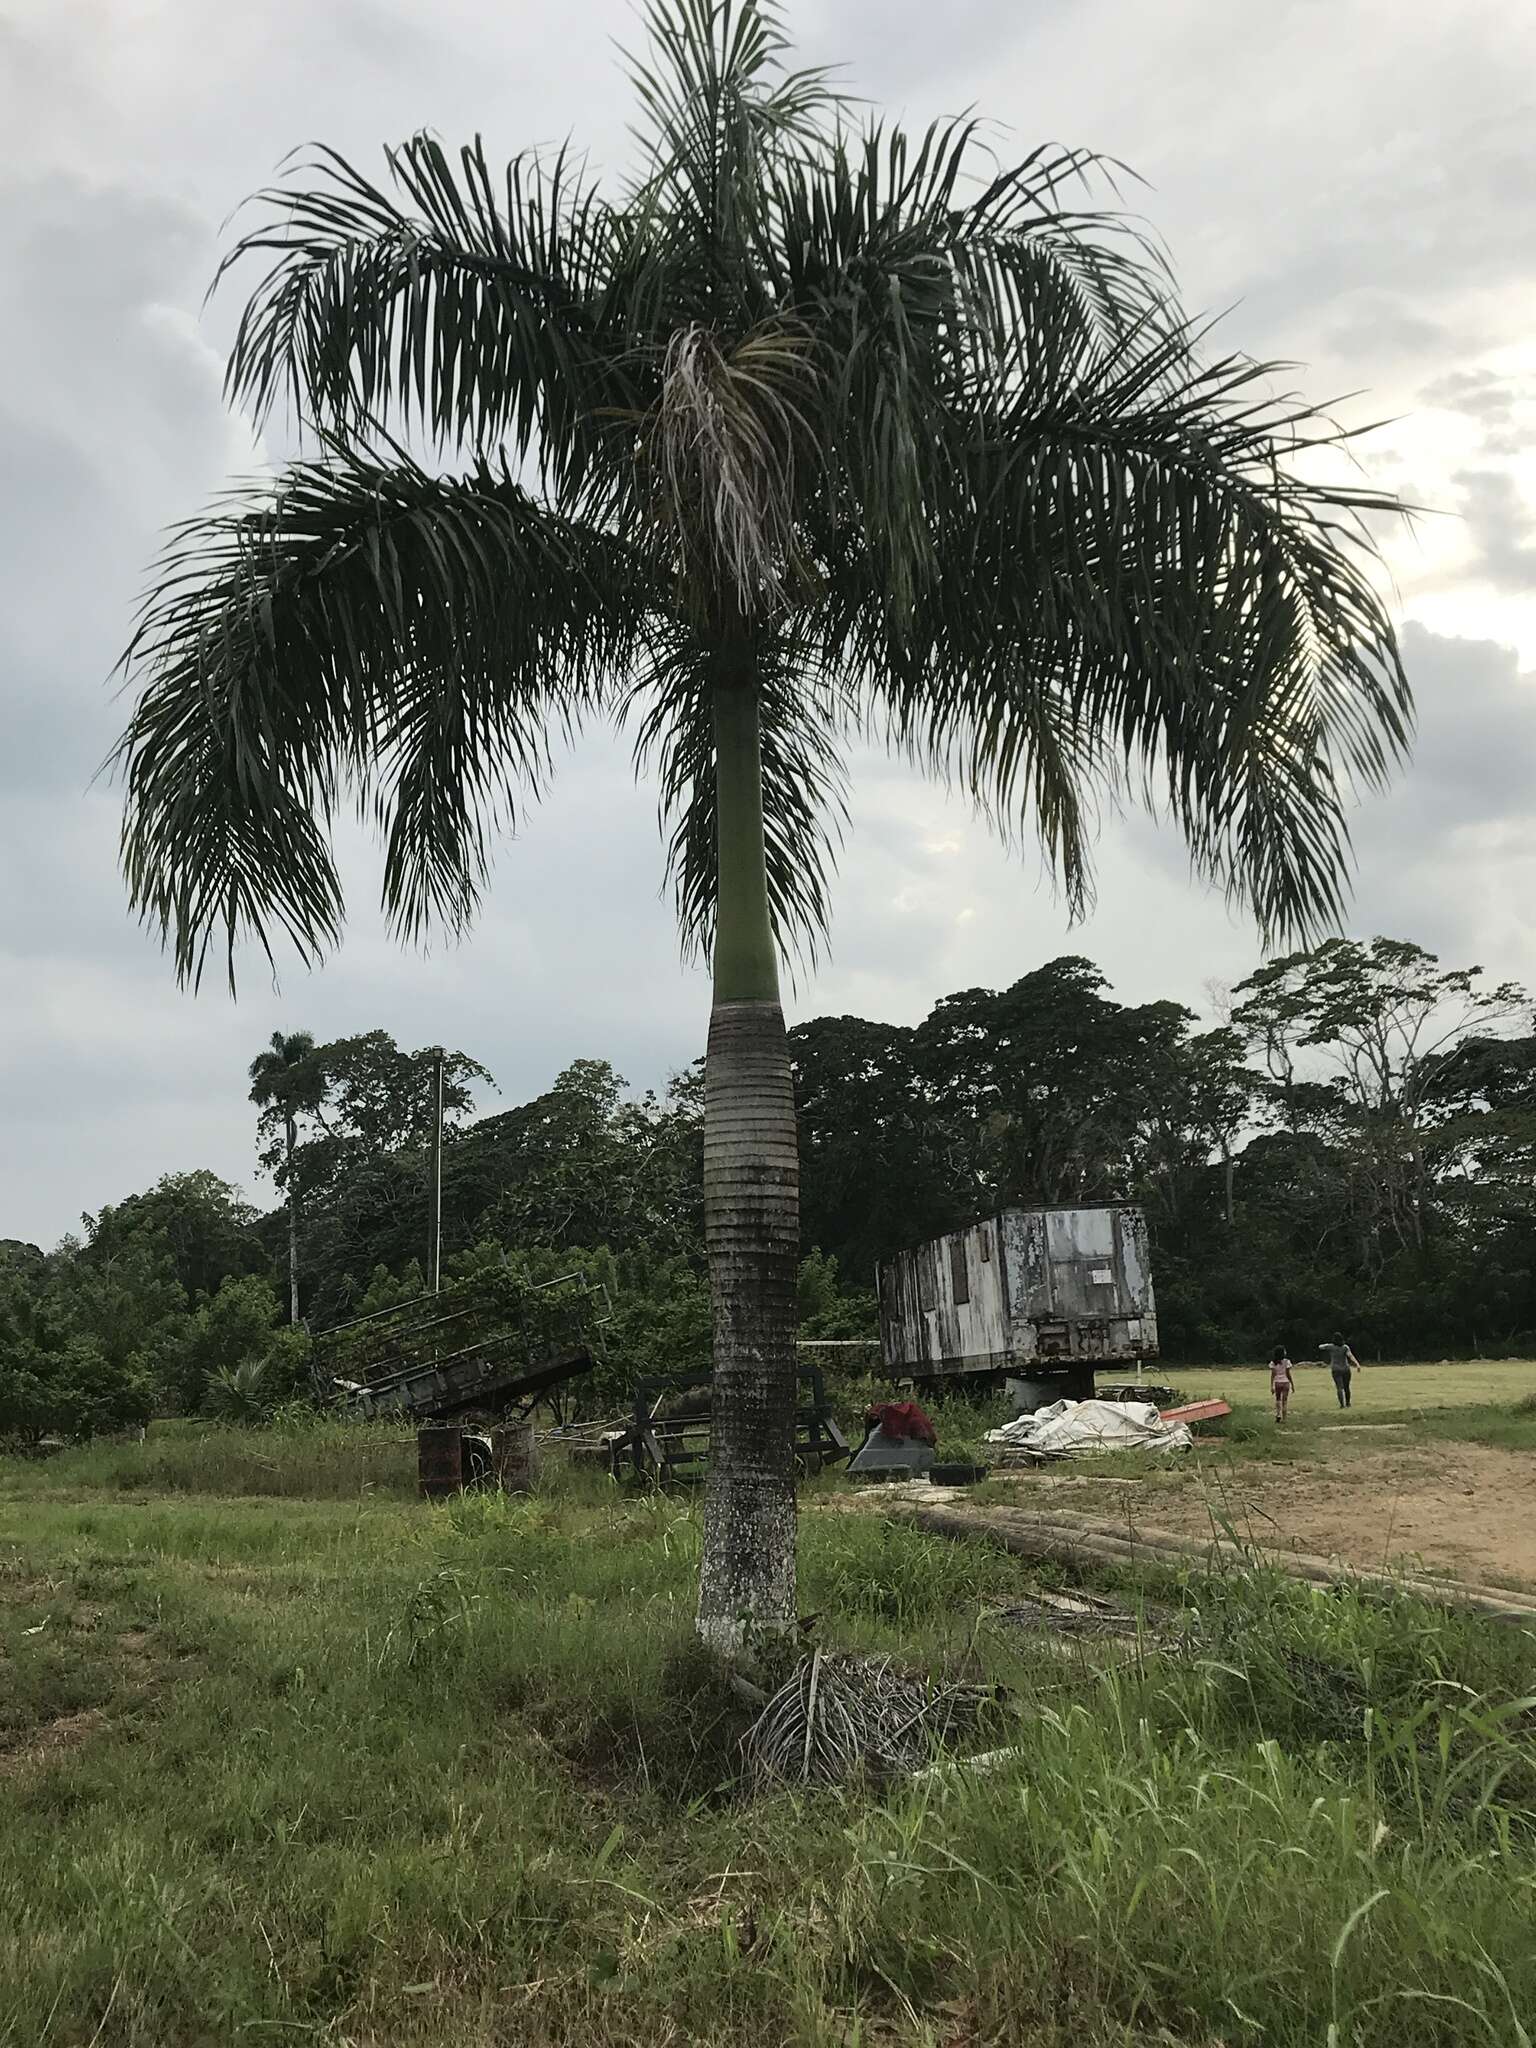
pixel 725 437
pixel 839 1715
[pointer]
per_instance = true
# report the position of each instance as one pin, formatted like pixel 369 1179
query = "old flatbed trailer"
pixel 438 1358
pixel 1037 1294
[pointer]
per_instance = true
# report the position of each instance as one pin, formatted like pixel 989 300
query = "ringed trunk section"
pixel 752 1232
pixel 751 1224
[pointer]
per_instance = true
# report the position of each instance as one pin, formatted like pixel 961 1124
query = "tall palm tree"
pixel 806 431
pixel 285 1081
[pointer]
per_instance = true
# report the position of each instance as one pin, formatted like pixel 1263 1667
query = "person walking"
pixel 1341 1362
pixel 1280 1381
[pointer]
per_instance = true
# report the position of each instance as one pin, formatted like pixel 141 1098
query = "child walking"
pixel 1280 1381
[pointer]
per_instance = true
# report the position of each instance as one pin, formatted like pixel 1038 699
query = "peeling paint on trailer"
pixel 1029 1287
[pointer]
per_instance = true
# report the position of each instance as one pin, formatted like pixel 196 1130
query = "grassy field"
pixel 329 1765
pixel 1385 1391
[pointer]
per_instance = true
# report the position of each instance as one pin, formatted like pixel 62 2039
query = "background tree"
pixel 82 1336
pixel 1266 1204
pixel 1198 1099
pixel 1484 1095
pixel 359 1160
pixel 125 1300
pixel 1268 1198
pixel 877 1160
pixel 1046 1084
pixel 1382 1022
pixel 830 431
pixel 201 1225
pixel 584 1164
pixel 232 1359
pixel 373 1098
pixel 287 1081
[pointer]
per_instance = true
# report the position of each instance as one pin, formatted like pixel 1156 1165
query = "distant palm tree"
pixel 286 1080
pixel 805 432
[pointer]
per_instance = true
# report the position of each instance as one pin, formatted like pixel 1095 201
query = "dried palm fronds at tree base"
pixel 1086 1625
pixel 838 1715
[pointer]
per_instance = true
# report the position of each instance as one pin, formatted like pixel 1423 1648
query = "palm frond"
pixel 931 436
pixel 413 637
pixel 915 288
pixel 803 719
pixel 719 106
pixel 1004 727
pixel 1022 230
pixel 482 306
pixel 1131 534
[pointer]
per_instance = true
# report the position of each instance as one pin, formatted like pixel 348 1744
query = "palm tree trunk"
pixel 293 1229
pixel 751 1223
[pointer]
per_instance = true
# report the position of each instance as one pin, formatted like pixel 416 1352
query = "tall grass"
pixel 356 1770
pixel 302 1456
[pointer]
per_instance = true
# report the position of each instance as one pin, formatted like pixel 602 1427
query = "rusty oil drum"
pixel 440 1461
pixel 450 1459
pixel 514 1458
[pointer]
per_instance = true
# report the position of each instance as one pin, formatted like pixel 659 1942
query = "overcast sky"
pixel 1351 178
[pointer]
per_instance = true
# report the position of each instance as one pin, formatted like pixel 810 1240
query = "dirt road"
pixel 1461 1508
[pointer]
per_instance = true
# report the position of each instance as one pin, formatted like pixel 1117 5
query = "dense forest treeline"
pixel 1353 1144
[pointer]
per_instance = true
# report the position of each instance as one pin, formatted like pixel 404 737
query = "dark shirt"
pixel 1335 1356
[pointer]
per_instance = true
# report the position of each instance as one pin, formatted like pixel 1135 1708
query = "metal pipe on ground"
pixel 1054 1540
pixel 1034 1540
pixel 1206 1548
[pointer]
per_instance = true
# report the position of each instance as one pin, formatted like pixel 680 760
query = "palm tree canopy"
pixel 916 446
pixel 285 1078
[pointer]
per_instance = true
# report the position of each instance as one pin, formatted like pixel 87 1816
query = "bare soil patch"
pixel 1465 1509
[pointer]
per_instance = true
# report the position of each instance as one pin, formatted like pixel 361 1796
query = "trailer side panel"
pixel 944 1305
pixel 1028 1288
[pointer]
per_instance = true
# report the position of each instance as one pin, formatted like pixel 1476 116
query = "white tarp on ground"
pixel 1087 1429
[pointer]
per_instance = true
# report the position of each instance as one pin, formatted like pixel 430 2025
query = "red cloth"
pixel 900 1420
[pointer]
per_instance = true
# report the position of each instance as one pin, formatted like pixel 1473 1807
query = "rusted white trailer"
pixel 1030 1292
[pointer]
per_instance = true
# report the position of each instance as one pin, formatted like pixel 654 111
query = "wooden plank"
pixel 1197 1411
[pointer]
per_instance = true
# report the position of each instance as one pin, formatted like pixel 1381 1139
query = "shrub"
pixel 224 1342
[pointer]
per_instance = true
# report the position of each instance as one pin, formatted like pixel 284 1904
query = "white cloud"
pixel 1366 207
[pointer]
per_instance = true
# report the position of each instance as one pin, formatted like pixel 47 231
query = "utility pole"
pixel 435 1192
